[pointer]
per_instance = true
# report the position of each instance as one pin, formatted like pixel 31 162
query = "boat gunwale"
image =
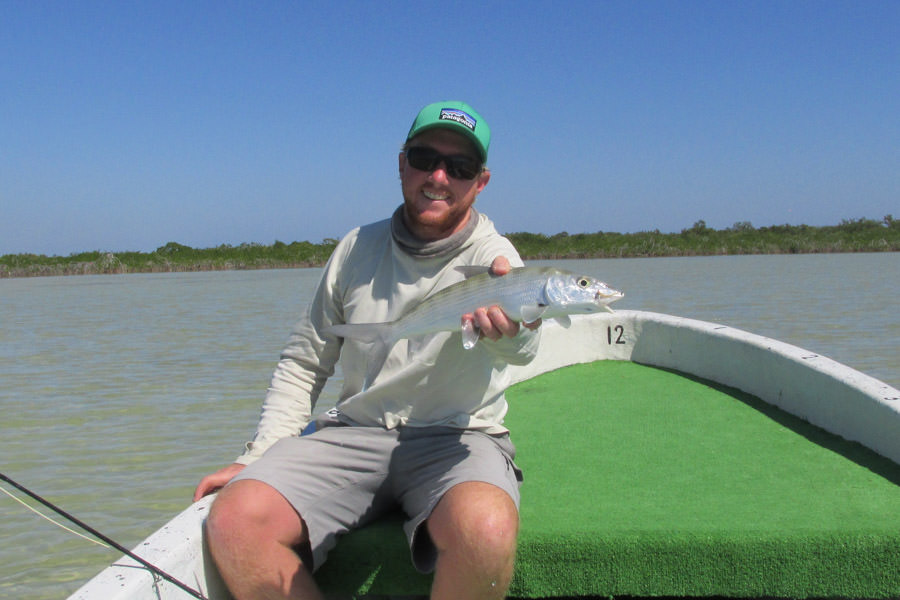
pixel 828 394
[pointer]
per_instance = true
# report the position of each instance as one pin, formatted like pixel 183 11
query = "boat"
pixel 663 456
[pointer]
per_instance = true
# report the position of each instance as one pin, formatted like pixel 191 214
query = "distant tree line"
pixel 173 257
pixel 854 235
pixel 857 235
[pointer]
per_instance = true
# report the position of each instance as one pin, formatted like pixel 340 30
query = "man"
pixel 421 429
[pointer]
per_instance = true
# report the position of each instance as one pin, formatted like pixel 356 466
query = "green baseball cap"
pixel 456 116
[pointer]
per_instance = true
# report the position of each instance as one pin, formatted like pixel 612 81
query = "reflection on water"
pixel 119 392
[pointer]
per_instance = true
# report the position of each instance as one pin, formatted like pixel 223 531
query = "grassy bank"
pixel 859 235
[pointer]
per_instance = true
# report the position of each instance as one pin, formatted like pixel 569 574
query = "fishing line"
pixel 57 523
pixel 112 543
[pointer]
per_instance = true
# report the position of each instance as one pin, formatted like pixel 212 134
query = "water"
pixel 118 393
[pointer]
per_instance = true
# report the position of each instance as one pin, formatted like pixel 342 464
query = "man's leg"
pixel 474 529
pixel 252 532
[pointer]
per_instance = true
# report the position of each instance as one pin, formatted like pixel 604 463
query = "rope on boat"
pixel 111 543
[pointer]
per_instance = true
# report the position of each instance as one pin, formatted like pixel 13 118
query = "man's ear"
pixel 483 179
pixel 401 159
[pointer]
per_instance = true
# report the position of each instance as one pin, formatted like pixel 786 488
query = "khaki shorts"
pixel 342 477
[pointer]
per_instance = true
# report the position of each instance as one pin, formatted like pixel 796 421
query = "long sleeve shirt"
pixel 423 381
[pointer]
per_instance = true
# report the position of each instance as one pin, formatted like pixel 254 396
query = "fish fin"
pixel 564 320
pixel 608 309
pixel 472 270
pixel 470 334
pixel 532 312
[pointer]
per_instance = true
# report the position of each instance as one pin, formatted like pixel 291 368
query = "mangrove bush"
pixel 850 235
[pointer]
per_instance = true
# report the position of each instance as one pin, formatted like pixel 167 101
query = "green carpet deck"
pixel 645 482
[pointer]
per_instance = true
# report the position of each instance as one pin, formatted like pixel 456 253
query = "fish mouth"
pixel 609 296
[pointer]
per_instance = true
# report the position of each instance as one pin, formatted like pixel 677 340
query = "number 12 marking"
pixel 619 331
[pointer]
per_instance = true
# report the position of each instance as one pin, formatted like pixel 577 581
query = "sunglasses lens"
pixel 462 167
pixel 423 158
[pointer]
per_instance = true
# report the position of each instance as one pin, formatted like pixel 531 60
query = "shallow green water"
pixel 118 393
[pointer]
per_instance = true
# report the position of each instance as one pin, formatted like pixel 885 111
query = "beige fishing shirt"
pixel 424 381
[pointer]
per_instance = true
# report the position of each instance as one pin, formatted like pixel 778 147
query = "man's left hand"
pixel 491 320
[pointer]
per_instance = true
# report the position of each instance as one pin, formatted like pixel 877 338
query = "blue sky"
pixel 126 125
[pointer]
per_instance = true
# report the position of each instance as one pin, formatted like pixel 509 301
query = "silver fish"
pixel 525 294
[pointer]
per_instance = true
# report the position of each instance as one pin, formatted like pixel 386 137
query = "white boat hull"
pixel 826 393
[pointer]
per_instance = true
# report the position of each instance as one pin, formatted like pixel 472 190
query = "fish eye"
pixel 583 282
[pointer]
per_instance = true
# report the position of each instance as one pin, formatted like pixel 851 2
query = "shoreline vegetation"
pixel 855 235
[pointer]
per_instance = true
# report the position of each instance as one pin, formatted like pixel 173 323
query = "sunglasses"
pixel 457 166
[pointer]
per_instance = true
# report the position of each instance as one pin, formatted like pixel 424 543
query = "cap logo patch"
pixel 454 114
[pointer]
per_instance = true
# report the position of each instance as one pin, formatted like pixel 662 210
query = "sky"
pixel 128 125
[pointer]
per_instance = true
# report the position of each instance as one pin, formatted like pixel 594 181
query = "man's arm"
pixel 287 408
pixel 306 363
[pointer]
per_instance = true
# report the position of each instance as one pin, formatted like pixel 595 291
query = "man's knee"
pixel 253 508
pixel 475 515
pixel 495 528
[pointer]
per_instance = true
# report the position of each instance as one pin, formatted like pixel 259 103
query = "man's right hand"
pixel 216 481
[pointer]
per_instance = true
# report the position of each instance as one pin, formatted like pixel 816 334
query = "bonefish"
pixel 525 294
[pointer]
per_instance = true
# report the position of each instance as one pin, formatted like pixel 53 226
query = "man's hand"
pixel 216 481
pixel 491 321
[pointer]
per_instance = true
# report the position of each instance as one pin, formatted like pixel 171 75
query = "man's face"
pixel 435 204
